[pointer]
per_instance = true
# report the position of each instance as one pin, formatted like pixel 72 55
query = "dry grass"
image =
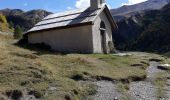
pixel 160 82
pixel 23 69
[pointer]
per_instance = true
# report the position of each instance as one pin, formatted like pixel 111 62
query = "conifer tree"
pixel 18 32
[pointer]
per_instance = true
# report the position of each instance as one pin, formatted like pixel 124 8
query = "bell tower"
pixel 96 4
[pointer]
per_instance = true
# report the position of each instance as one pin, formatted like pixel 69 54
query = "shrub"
pixel 111 47
pixel 18 32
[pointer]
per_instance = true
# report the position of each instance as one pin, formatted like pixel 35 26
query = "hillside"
pixel 21 18
pixel 157 33
pixel 40 74
pixel 4 26
pixel 146 32
pixel 127 11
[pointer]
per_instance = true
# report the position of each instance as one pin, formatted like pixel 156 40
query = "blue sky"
pixel 57 5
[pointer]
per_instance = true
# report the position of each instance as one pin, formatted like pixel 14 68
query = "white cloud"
pixel 86 3
pixel 69 8
pixel 131 2
pixel 25 4
pixel 82 3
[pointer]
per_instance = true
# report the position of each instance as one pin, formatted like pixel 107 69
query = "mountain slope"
pixel 156 37
pixel 4 26
pixel 148 5
pixel 149 32
pixel 21 18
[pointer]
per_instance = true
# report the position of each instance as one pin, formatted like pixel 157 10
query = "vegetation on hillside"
pixel 50 76
pixel 156 37
pixel 4 26
pixel 21 18
pixel 151 32
pixel 18 33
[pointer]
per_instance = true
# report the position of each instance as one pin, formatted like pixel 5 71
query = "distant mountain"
pixel 128 10
pixel 148 31
pixel 24 19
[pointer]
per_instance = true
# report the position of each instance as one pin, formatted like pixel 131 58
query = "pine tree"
pixel 18 32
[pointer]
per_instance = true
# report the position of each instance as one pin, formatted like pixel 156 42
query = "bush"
pixel 111 47
pixel 18 32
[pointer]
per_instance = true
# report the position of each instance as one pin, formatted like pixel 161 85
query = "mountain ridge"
pixel 22 18
pixel 149 32
pixel 147 5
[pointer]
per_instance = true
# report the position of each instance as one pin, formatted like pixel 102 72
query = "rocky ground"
pixel 107 91
pixel 140 90
pixel 145 90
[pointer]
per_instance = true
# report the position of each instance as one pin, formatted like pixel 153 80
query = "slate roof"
pixel 67 18
pixel 71 18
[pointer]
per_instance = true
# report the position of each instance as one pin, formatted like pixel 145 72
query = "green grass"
pixel 23 69
pixel 119 68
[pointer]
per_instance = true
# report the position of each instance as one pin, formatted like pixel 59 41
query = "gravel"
pixel 122 54
pixel 107 91
pixel 152 70
pixel 142 91
pixel 145 90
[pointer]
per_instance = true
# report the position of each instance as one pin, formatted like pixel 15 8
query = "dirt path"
pixel 152 70
pixel 145 90
pixel 141 90
pixel 107 91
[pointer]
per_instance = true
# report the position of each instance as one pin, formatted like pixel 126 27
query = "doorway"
pixel 103 37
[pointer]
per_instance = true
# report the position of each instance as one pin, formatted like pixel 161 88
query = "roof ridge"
pixel 66 20
pixel 71 18
pixel 85 10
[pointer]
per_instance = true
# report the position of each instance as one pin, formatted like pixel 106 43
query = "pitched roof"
pixel 68 18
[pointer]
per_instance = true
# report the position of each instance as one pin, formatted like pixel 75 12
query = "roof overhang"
pixel 91 22
pixel 62 27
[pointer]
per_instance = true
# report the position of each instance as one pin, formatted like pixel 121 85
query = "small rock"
pixel 122 54
pixel 116 98
pixel 52 88
pixel 164 66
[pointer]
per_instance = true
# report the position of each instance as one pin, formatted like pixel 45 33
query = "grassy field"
pixel 50 75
